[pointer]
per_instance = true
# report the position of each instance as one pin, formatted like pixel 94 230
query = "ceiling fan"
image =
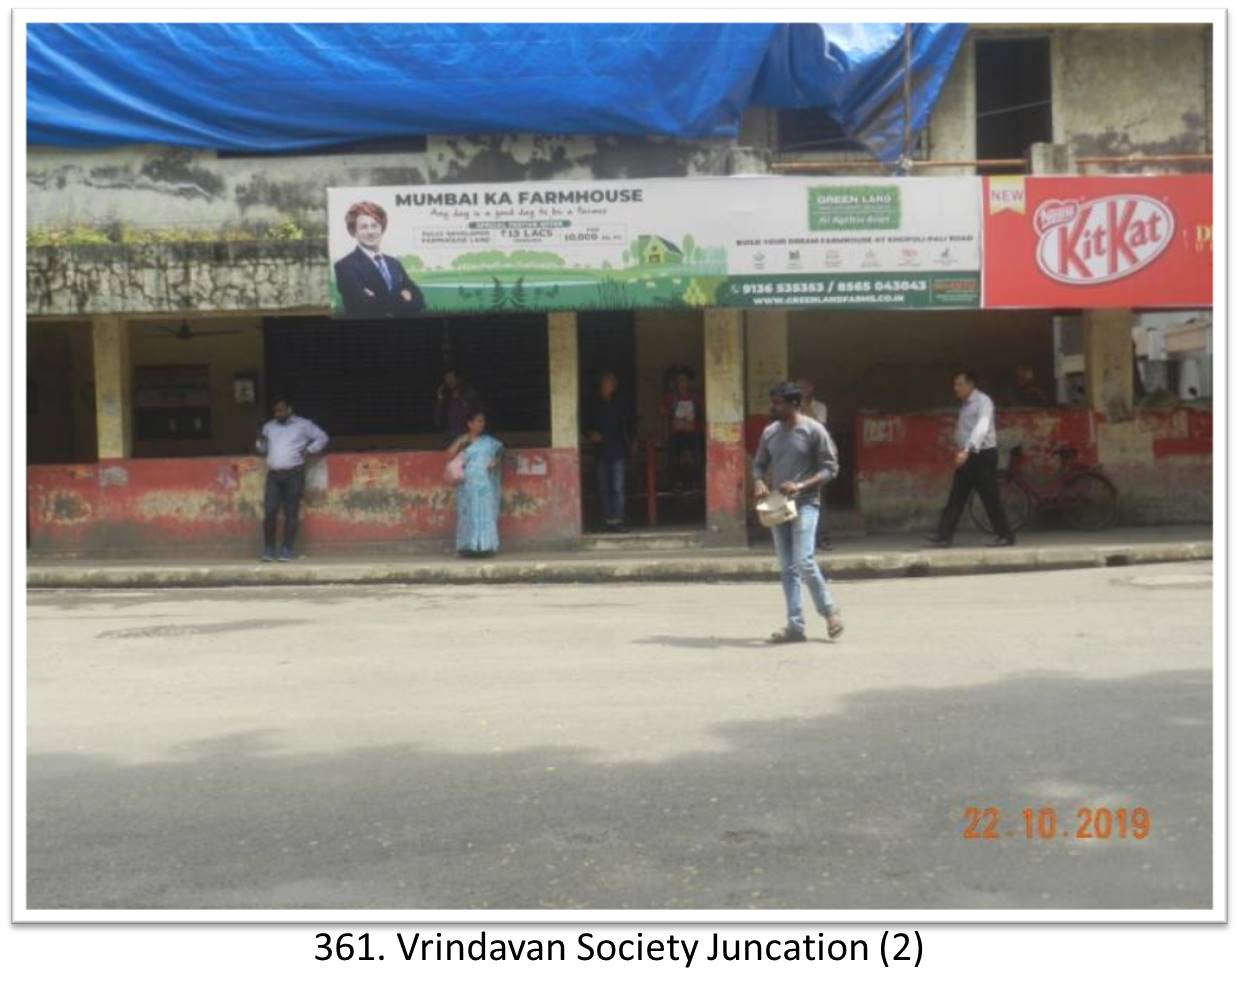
pixel 185 332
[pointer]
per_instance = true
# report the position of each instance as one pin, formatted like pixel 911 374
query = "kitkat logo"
pixel 1094 242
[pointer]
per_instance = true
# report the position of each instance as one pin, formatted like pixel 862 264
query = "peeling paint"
pixel 113 477
pixel 218 503
pixel 1161 477
pixel 191 506
pixel 66 508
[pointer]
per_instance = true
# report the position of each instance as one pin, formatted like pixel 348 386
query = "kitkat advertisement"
pixel 1097 242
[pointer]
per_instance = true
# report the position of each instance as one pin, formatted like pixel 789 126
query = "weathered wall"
pixel 1161 462
pixel 1117 90
pixel 214 506
pixel 1135 89
pixel 177 278
pixel 952 127
pixel 159 188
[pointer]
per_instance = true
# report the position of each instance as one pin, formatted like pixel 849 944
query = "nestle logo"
pixel 1105 239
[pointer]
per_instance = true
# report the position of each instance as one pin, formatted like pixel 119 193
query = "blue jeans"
pixel 795 543
pixel 610 486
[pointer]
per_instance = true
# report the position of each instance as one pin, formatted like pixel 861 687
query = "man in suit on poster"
pixel 371 283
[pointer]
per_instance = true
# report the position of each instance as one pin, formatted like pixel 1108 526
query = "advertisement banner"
pixel 728 242
pixel 1098 242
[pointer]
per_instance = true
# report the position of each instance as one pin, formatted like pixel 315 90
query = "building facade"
pixel 173 293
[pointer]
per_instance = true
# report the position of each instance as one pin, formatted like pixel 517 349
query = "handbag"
pixel 454 472
pixel 776 510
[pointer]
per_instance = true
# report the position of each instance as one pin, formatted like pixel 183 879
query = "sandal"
pixel 834 626
pixel 787 635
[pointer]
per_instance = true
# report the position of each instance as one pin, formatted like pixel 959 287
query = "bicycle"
pixel 1081 491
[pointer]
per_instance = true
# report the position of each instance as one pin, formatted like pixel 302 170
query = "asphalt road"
pixel 621 746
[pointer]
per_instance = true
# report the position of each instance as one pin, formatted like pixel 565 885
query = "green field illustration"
pixel 657 272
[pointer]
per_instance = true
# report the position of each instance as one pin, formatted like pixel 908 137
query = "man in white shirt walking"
pixel 285 441
pixel 975 464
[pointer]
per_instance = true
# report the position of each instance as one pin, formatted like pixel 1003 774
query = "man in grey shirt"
pixel 285 441
pixel 975 464
pixel 798 456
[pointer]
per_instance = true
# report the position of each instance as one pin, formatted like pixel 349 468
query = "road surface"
pixel 622 746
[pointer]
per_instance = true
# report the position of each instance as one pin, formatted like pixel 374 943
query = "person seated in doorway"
pixel 285 441
pixel 811 406
pixel 685 426
pixel 371 283
pixel 608 426
pixel 452 404
pixel 1027 392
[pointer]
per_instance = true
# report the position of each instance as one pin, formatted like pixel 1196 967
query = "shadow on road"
pixel 863 808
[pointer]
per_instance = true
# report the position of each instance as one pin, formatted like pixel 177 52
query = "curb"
pixel 935 563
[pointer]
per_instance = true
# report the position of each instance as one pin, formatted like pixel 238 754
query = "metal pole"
pixel 906 96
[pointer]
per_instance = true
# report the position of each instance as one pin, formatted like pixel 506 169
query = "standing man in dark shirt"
pixel 609 428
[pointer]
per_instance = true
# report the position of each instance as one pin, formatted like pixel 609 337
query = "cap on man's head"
pixel 788 390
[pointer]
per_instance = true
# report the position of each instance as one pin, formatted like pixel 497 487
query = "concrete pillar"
pixel 765 342
pixel 564 381
pixel 1047 159
pixel 1108 365
pixel 725 459
pixel 113 387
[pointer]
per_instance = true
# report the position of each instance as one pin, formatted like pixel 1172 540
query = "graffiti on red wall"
pixel 351 499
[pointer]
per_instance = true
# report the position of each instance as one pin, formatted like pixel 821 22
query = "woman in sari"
pixel 478 493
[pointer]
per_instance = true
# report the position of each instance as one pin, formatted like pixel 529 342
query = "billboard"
pixel 1098 242
pixel 728 242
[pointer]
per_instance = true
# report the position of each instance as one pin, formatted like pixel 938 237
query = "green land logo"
pixel 837 209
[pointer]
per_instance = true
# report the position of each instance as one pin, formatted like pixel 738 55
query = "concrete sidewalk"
pixel 862 557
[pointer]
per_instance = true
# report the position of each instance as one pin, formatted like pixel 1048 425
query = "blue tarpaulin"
pixel 283 87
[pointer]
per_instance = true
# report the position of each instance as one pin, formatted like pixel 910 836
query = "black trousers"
pixel 677 444
pixel 979 473
pixel 284 489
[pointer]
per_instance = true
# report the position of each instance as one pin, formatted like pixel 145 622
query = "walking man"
pixel 975 464
pixel 608 427
pixel 285 441
pixel 798 456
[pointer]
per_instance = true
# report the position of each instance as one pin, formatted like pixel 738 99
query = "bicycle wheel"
pixel 1089 501
pixel 1015 500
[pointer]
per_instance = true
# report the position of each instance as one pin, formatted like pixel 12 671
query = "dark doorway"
pixel 1014 99
pixel 607 342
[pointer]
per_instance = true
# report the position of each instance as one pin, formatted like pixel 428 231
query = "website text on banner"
pixel 1098 242
pixel 729 242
